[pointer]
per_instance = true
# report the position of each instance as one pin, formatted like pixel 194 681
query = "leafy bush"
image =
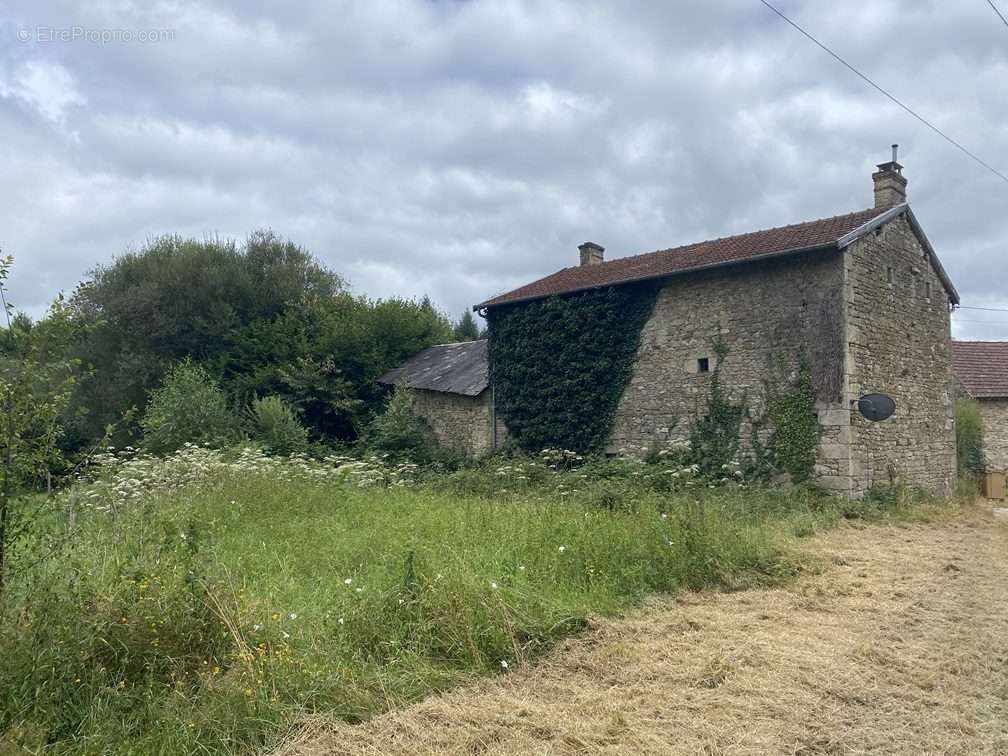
pixel 399 431
pixel 189 407
pixel 275 424
pixel 969 436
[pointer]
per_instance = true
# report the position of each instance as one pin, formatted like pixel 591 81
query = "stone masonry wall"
pixel 899 343
pixel 994 413
pixel 774 312
pixel 457 422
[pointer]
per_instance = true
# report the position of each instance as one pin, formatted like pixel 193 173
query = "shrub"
pixel 275 424
pixel 399 431
pixel 188 407
pixel 969 437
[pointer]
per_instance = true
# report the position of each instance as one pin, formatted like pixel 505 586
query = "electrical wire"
pixel 985 309
pixel 895 99
pixel 996 10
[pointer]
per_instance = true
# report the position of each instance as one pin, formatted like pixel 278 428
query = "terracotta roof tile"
pixel 982 367
pixel 800 236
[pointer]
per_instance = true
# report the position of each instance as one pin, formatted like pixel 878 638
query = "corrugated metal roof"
pixel 982 367
pixel 452 368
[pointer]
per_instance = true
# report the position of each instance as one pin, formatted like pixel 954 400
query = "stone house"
pixel 450 389
pixel 981 372
pixel 861 298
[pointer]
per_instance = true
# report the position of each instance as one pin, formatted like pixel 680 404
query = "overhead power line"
pixel 895 99
pixel 997 10
pixel 985 309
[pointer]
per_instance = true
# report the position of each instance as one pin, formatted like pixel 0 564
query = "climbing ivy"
pixel 781 439
pixel 795 434
pixel 714 438
pixel 559 365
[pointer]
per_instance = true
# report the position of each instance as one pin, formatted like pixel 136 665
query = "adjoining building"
pixel 860 298
pixel 981 372
pixel 450 389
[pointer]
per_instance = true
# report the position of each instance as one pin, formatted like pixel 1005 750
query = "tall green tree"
pixel 36 382
pixel 263 319
pixel 466 329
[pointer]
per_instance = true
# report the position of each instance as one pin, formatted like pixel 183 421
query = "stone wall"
pixel 995 433
pixel 770 316
pixel 899 343
pixel 456 421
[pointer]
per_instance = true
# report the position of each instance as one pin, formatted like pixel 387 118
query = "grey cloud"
pixel 459 149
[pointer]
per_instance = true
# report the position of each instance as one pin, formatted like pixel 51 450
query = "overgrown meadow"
pixel 204 602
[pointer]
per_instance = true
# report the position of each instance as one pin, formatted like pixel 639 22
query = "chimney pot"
pixel 591 253
pixel 890 184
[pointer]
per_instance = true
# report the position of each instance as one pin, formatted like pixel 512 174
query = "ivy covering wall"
pixel 559 365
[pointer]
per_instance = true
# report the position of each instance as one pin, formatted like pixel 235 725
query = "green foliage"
pixel 714 438
pixel 35 386
pixel 466 329
pixel 969 436
pixel 559 365
pixel 189 407
pixel 168 627
pixel 264 318
pixel 89 640
pixel 274 423
pixel 399 431
pixel 795 428
pixel 36 383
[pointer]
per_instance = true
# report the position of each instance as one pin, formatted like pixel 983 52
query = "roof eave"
pixel 695 269
pixel 894 212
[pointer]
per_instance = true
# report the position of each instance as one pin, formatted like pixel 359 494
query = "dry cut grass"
pixel 894 642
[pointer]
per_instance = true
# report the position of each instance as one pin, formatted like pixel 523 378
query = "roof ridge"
pixel 834 231
pixel 715 239
pixel 456 343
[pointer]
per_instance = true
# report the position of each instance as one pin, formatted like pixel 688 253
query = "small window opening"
pixel 703 365
pixel 927 289
pixel 889 274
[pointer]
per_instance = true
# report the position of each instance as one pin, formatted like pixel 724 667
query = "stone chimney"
pixel 591 253
pixel 890 185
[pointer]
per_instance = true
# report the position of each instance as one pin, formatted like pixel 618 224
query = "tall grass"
pixel 203 611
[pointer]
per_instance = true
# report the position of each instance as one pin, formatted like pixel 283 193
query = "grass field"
pixel 206 603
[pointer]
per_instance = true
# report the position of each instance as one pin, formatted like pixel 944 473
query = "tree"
pixel 466 329
pixel 35 386
pixel 179 298
pixel 262 319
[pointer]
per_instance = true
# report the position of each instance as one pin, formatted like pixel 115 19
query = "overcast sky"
pixel 460 149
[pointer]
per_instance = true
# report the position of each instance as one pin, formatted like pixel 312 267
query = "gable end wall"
pixel 898 342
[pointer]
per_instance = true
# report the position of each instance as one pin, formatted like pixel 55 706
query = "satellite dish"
pixel 876 407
